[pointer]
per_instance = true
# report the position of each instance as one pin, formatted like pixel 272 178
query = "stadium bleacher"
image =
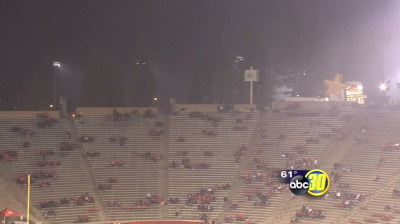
pixel 185 135
pixel 70 181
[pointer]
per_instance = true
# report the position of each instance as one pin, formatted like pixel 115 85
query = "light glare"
pixel 382 86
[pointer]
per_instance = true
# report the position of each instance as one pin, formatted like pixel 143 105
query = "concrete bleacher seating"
pixel 222 163
pixel 139 175
pixel 363 158
pixel 71 178
pixel 382 129
pixel 296 130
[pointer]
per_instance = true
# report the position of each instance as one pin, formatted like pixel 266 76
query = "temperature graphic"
pixel 314 182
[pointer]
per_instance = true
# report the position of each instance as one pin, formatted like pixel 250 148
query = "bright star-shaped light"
pixel 336 86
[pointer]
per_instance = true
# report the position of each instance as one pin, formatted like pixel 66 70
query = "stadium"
pixel 199 112
pixel 120 165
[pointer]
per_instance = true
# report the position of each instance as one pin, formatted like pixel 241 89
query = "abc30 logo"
pixel 315 182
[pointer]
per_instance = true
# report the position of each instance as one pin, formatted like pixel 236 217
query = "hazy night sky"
pixel 178 32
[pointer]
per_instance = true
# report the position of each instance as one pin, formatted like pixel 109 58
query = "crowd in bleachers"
pixel 347 198
pixel 339 169
pixel 240 217
pixel 238 154
pixel 307 212
pixel 186 162
pixel 44 163
pixel 263 174
pixel 389 206
pixel 117 116
pixel 44 153
pixel 149 113
pixel 259 176
pixel 382 217
pixel 9 155
pixel 85 138
pixel 214 120
pixel 117 163
pixel 208 133
pixel 390 147
pixel 103 187
pixel 195 165
pixel 22 131
pixel 45 174
pixel 83 218
pixel 296 162
pixel 92 153
pixel 44 183
pixel 156 132
pixel 27 144
pixel 46 121
pixel 204 196
pixel 122 140
pixel 66 146
pixel 261 196
pixel 152 156
pixel 80 200
pixel 139 204
pixel 396 192
pixel 113 179
pixel 23 179
pixel 43 180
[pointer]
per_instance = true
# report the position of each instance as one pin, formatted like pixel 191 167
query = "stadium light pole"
pixel 56 65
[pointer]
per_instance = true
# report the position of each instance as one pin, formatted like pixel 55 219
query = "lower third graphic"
pixel 314 182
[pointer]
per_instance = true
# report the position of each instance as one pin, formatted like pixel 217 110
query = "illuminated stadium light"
pixel 56 64
pixel 383 86
pixel 155 99
pixel 51 105
pixel 239 59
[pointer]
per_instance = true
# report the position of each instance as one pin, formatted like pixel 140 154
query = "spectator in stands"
pixel 240 217
pixel 27 144
pixel 181 139
pixel 173 165
pixel 396 192
pixel 389 206
pixel 122 140
pixel 228 219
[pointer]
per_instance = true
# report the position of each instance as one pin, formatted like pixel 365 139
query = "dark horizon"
pixel 357 38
